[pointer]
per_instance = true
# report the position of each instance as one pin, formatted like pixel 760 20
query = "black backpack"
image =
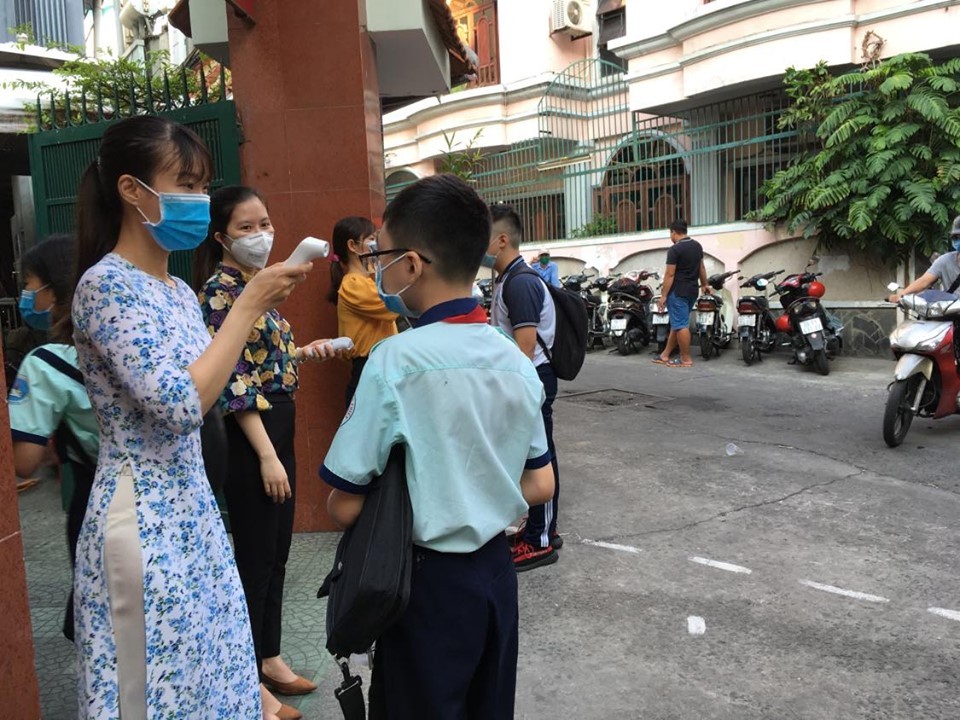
pixel 571 335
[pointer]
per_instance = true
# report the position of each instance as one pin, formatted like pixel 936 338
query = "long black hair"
pixel 222 204
pixel 348 228
pixel 51 261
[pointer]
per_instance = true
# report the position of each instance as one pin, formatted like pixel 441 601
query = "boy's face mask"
pixel 544 260
pixel 392 301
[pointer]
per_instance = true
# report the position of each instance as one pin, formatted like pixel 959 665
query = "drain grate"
pixel 612 398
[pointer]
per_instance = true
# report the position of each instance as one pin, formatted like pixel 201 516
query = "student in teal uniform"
pixel 465 401
pixel 48 398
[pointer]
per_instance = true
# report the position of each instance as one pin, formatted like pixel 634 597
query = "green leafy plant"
pixel 599 225
pixel 465 162
pixel 107 87
pixel 883 170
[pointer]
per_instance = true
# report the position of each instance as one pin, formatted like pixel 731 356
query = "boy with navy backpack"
pixel 465 402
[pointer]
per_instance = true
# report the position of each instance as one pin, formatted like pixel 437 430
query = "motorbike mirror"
pixel 893 287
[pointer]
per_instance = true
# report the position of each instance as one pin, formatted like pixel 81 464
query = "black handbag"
pixel 369 585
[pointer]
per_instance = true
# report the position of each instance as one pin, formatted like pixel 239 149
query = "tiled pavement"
pixel 48 578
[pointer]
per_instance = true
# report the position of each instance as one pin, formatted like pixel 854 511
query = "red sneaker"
pixel 528 557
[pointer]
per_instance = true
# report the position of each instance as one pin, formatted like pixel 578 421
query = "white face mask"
pixel 252 250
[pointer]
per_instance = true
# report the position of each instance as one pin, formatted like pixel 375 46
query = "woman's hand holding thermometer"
pixel 309 249
pixel 325 349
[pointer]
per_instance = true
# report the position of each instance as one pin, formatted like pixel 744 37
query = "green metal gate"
pixel 71 125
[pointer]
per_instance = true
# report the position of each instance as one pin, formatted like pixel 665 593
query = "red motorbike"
pixel 815 337
pixel 926 379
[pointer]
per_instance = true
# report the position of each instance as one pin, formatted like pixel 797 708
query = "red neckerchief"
pixel 477 315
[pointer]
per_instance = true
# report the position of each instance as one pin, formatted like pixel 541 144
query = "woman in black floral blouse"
pixel 260 415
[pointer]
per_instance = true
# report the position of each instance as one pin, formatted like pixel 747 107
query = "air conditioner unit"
pixel 573 17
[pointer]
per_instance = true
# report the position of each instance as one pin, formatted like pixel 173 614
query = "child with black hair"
pixel 465 402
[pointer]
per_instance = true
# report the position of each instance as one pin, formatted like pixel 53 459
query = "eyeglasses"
pixel 371 260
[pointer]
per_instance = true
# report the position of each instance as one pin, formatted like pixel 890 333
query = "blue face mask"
pixel 393 302
pixel 488 261
pixel 955 243
pixel 184 220
pixel 37 319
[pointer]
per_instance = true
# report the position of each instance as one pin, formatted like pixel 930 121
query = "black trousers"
pixel 355 369
pixel 453 654
pixel 262 529
pixel 542 519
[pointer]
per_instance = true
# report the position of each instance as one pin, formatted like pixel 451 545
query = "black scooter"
pixel 628 311
pixel 755 324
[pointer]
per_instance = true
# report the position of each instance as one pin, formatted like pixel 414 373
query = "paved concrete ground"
pixel 819 554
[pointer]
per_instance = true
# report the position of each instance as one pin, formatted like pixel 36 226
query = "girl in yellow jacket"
pixel 361 314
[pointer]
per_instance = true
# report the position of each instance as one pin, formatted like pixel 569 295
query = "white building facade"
pixel 603 121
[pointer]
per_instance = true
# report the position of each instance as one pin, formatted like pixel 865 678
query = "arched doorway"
pixel 646 185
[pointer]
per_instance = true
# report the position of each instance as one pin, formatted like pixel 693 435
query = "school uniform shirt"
pixel 361 314
pixel 466 403
pixel 526 303
pixel 268 364
pixel 42 397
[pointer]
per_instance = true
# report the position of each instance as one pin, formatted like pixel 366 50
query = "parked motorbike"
pixel 755 324
pixel 713 325
pixel 814 336
pixel 660 322
pixel 628 311
pixel 926 379
pixel 485 297
pixel 592 294
pixel 597 291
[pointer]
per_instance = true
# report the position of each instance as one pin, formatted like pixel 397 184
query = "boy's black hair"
pixel 444 218
pixel 506 215
pixel 679 226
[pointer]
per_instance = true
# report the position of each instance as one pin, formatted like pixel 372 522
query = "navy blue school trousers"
pixel 452 655
pixel 541 524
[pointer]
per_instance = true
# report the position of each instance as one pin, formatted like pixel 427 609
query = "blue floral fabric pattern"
pixel 136 337
pixel 268 365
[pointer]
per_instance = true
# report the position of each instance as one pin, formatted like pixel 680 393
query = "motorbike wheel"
pixel 624 346
pixel 821 363
pixel 706 345
pixel 899 411
pixel 746 350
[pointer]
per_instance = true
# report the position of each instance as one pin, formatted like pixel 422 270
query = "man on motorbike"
pixel 679 293
pixel 945 270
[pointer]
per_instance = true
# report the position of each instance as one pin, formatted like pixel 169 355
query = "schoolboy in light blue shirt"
pixel 466 403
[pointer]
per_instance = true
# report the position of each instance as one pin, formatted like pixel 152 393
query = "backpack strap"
pixel 954 285
pixel 59 364
pixel 527 270
pixel 64 438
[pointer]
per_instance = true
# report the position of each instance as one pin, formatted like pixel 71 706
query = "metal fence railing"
pixel 597 168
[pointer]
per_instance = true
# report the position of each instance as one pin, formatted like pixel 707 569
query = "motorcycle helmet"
pixel 816 289
pixel 782 324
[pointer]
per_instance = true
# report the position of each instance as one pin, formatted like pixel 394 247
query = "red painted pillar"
pixel 305 84
pixel 19 692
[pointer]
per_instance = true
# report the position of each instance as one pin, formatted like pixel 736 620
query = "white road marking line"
pixel 696 625
pixel 612 546
pixel 729 567
pixel 846 593
pixel 942 612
